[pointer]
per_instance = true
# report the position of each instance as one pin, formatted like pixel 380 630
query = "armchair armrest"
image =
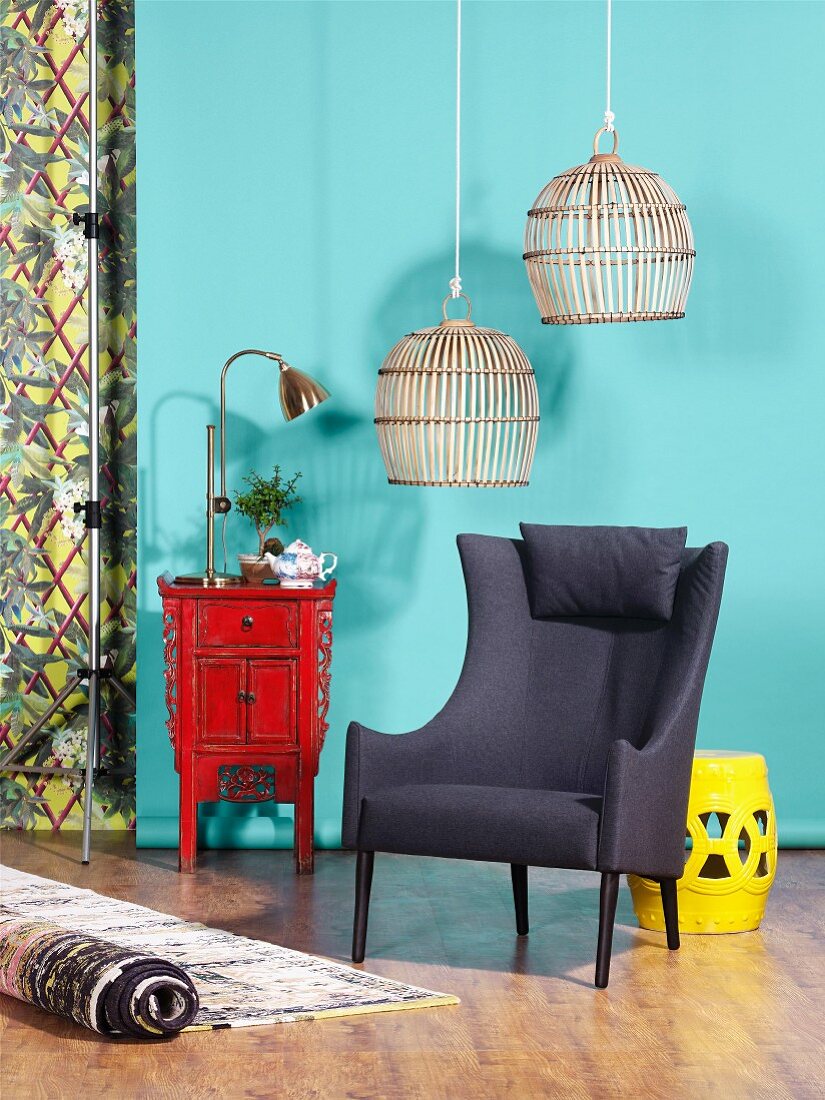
pixel 644 812
pixel 378 760
pixel 646 789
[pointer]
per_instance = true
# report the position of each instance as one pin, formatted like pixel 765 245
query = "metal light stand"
pixel 95 673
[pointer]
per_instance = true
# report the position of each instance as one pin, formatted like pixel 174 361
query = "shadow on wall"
pixel 379 529
pixel 347 509
pixel 754 314
pixel 156 766
pixel 351 509
pixel 180 546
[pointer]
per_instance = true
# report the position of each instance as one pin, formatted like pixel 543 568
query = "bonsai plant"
pixel 264 503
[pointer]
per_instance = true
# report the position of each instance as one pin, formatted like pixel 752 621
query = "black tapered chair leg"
pixel 670 907
pixel 518 873
pixel 608 896
pixel 363 882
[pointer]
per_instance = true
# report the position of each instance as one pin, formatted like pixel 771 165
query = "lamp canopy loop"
pixel 606 130
pixel 462 320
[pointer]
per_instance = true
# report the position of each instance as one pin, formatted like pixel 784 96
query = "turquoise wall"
pixel 296 193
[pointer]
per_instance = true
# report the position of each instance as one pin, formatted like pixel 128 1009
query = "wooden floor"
pixel 725 1017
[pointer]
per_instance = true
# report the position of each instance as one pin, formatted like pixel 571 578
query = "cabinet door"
pixel 221 686
pixel 271 688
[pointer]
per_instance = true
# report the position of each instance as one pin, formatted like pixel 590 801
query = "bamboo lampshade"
pixel 457 405
pixel 607 241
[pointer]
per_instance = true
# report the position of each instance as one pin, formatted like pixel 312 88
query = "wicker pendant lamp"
pixel 456 404
pixel 607 241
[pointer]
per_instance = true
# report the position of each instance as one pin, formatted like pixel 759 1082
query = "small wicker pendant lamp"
pixel 457 404
pixel 607 241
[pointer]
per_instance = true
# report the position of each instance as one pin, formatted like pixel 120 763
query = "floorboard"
pixel 728 1016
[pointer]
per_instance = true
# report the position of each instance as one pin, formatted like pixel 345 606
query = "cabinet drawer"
pixel 252 623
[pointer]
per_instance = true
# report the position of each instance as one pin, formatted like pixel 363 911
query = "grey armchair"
pixel 567 741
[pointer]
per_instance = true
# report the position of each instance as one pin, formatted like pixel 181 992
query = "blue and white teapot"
pixel 298 567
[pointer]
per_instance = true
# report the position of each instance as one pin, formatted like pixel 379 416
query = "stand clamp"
pixel 90 222
pixel 92 513
pixel 85 673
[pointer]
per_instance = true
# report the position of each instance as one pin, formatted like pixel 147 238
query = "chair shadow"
pixel 561 941
pixel 407 924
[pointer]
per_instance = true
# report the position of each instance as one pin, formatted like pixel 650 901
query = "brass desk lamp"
pixel 298 393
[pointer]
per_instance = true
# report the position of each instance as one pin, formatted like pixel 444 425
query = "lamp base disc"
pixel 210 580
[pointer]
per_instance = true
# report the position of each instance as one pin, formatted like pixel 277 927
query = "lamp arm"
pixel 222 502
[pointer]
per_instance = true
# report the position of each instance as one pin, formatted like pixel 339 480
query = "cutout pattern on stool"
pixel 730 849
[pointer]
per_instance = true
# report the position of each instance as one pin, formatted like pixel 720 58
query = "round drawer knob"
pixel 246 622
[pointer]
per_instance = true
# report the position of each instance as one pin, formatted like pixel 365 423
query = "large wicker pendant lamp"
pixel 456 404
pixel 607 241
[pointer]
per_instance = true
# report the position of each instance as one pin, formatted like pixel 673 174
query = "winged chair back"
pixel 540 701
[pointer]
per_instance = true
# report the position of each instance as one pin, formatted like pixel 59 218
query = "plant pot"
pixel 255 570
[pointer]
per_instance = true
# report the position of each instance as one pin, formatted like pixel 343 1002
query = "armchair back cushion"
pixel 628 572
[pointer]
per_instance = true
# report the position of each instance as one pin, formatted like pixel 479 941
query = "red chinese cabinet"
pixel 247 690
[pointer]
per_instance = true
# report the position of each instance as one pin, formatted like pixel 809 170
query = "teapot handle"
pixel 324 573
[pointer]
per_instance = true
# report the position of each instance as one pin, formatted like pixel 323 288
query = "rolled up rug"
pixel 95 983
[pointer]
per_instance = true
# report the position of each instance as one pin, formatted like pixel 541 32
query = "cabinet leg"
pixel 188 843
pixel 305 828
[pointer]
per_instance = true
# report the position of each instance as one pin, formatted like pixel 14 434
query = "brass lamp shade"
pixel 298 392
pixel 457 405
pixel 607 242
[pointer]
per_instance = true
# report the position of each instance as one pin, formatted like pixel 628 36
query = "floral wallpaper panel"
pixel 43 401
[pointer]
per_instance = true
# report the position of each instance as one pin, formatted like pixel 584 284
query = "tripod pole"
pixel 92 508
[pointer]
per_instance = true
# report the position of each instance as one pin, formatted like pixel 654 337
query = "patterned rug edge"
pixel 203 948
pixel 438 1001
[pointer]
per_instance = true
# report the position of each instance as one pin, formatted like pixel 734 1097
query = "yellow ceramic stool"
pixel 732 861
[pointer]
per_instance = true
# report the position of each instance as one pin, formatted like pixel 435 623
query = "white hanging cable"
pixel 608 114
pixel 455 282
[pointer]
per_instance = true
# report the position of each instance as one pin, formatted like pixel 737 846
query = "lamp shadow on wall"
pixel 182 546
pixel 349 508
pixel 350 505
pixel 745 289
